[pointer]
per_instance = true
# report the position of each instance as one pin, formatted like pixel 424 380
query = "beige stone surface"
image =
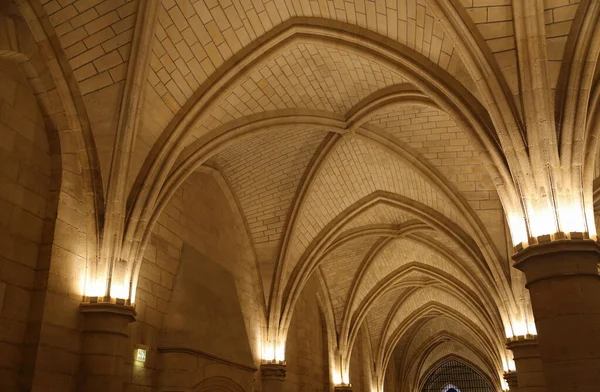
pixel 25 182
pixel 337 184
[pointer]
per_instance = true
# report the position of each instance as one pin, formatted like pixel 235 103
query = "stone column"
pixel 511 380
pixel 104 346
pixel 272 376
pixel 530 371
pixel 564 284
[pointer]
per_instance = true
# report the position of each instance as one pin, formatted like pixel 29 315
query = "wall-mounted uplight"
pixel 273 352
pixel 551 216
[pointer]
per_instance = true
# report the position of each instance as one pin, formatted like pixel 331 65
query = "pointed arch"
pixel 37 51
pixel 451 357
pixel 444 91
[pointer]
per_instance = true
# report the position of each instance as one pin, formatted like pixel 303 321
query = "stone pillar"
pixel 530 371
pixel 511 380
pixel 104 346
pixel 564 284
pixel 272 376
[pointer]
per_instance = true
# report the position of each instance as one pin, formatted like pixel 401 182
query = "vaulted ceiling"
pixel 331 124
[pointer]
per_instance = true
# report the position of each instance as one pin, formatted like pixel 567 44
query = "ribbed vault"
pixel 371 151
pixel 347 166
pixel 367 142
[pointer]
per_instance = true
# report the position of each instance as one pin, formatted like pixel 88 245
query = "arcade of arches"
pixel 299 195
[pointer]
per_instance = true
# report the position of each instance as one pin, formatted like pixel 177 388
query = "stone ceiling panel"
pixel 306 76
pixel 96 37
pixel 451 347
pixel 433 327
pixel 494 22
pixel 379 313
pixel 409 350
pixel 356 169
pixel 438 240
pixel 378 214
pixel 436 136
pixel 431 294
pixel 559 15
pixel 340 267
pixel 194 38
pixel 397 253
pixel 265 172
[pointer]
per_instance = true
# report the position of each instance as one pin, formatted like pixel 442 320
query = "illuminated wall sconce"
pixel 552 217
pixel 273 353
pixel 140 354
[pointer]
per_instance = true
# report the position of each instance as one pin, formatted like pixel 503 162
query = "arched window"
pixel 450 388
pixel 456 376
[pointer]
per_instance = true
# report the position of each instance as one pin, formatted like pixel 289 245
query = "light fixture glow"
pixel 273 351
pixel 571 218
pixel 541 220
pixel 565 215
pixel 341 378
pixel 337 378
pixel 521 328
pixel 518 231
pixel 95 288
pixel 119 291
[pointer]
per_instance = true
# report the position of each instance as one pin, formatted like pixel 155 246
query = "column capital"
pixel 565 257
pixel 126 311
pixel 272 371
pixel 106 316
pixel 521 341
pixel 343 388
pixel 523 346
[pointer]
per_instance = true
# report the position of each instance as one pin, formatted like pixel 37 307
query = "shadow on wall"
pixel 204 336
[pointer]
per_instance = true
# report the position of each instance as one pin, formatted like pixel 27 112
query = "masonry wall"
pixel 306 349
pixel 203 327
pixel 199 225
pixel 390 382
pixel 359 363
pixel 25 179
